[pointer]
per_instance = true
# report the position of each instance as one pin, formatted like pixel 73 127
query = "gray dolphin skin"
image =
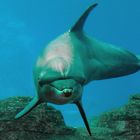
pixel 71 61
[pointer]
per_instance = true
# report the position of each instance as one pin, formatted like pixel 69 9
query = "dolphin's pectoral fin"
pixel 78 26
pixel 82 112
pixel 34 102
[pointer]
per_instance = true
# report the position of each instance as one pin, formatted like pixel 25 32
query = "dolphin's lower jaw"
pixel 60 97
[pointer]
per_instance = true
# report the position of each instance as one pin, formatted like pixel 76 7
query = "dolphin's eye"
pixel 81 81
pixel 42 82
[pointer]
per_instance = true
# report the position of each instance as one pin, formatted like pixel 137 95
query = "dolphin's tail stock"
pixel 34 102
pixel 138 56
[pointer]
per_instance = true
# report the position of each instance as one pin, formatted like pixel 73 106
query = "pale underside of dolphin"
pixel 71 61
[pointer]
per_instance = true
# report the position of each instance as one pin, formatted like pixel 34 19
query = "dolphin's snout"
pixel 67 92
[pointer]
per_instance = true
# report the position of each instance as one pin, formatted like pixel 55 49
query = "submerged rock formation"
pixel 47 123
pixel 44 122
pixel 120 124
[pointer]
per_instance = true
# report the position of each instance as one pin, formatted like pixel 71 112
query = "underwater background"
pixel 26 26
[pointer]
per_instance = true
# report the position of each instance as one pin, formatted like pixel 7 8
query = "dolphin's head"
pixel 61 91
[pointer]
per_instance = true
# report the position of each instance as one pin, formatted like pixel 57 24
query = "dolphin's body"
pixel 73 60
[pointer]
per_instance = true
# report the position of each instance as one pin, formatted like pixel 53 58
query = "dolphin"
pixel 71 61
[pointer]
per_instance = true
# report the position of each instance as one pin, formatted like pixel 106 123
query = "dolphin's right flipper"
pixel 34 102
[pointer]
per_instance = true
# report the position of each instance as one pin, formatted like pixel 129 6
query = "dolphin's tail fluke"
pixel 34 102
pixel 82 112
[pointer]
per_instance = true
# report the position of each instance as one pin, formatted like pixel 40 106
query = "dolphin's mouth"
pixel 67 92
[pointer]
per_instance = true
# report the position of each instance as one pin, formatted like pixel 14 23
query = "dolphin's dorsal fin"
pixel 78 26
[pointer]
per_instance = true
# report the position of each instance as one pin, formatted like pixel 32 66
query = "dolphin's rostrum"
pixel 71 61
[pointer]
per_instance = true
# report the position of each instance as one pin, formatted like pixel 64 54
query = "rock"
pixel 46 123
pixel 119 124
pixel 43 122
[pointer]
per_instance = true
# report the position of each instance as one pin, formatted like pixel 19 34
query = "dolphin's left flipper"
pixel 34 102
pixel 82 112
